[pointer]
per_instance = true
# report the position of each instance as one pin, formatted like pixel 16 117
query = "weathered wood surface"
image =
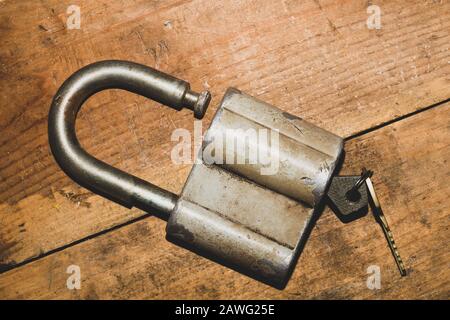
pixel 410 160
pixel 315 59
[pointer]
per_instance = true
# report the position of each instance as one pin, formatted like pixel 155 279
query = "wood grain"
pixel 410 160
pixel 315 59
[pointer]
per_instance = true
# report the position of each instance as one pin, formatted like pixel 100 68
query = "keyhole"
pixel 353 195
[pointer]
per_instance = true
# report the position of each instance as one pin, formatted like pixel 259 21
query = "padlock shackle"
pixel 97 175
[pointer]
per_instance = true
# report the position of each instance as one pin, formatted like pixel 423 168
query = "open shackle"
pixel 97 175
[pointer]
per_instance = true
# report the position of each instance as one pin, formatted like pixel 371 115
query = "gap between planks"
pixel 146 215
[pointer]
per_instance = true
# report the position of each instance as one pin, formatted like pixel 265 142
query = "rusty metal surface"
pixel 307 154
pixel 241 224
pixel 255 223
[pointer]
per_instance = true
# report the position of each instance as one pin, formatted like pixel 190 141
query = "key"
pixel 379 216
pixel 348 195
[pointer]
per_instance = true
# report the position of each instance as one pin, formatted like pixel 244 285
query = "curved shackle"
pixel 92 173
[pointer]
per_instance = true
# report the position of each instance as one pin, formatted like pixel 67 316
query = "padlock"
pixel 228 211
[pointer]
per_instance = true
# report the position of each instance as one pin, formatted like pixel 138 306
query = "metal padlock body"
pixel 229 212
pixel 255 223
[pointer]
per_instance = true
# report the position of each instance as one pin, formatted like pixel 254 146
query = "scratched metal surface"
pixel 238 213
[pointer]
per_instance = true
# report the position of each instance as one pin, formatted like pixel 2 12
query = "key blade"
pixel 379 215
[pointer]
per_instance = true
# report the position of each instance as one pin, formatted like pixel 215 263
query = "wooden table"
pixel 385 90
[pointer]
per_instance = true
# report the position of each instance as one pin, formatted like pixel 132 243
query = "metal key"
pixel 379 216
pixel 348 196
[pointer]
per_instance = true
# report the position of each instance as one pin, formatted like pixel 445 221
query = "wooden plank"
pixel 410 160
pixel 315 59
